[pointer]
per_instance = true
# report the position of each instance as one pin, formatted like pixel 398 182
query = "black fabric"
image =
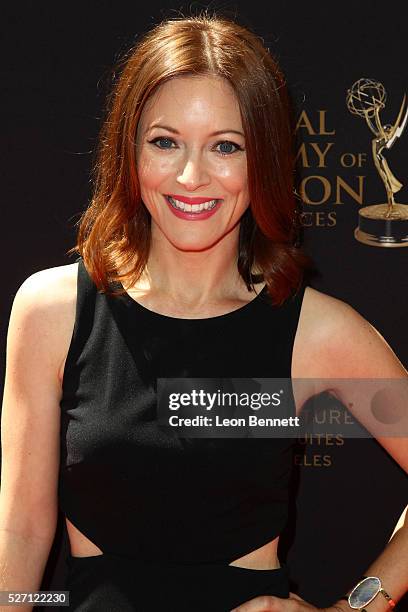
pixel 143 494
pixel 114 584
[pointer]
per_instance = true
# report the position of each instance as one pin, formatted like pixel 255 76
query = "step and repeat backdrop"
pixel 341 60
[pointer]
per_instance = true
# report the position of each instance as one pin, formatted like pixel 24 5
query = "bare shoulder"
pixel 334 341
pixel 319 313
pixel 320 310
pixel 49 297
pixel 51 290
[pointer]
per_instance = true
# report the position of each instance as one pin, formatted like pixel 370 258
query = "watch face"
pixel 364 592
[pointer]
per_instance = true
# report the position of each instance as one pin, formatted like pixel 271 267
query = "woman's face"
pixel 179 154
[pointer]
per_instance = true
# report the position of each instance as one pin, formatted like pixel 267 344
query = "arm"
pixel 30 435
pixel 366 355
pixel 323 355
pixel 392 569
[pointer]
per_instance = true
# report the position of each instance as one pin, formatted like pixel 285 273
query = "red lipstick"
pixel 190 216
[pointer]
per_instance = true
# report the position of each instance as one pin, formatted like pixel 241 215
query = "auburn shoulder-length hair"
pixel 114 231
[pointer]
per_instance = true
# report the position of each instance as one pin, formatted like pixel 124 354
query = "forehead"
pixel 195 99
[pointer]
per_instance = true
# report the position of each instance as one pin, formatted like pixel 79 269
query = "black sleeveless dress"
pixel 169 513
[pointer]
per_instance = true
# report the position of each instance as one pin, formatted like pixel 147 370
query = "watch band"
pixel 389 599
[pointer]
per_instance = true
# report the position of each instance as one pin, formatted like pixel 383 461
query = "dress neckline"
pixel 233 313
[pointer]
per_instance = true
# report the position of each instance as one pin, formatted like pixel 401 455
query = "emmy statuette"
pixel 382 225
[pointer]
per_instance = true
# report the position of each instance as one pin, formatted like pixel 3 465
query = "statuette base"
pixel 376 229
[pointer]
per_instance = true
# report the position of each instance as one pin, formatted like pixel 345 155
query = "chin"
pixel 194 245
pixel 190 248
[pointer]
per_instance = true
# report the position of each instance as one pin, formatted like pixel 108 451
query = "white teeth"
pixel 197 208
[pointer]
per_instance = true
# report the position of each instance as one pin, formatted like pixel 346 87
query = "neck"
pixel 194 277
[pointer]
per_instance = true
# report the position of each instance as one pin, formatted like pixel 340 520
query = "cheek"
pixel 151 171
pixel 233 176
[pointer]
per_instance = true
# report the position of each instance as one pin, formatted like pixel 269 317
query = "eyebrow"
pixel 174 131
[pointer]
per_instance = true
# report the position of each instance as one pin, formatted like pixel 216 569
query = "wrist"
pixel 368 595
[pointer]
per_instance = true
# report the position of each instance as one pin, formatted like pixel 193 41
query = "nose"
pixel 194 173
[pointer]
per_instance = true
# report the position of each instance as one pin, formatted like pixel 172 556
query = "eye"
pixel 222 143
pixel 161 139
pixel 228 143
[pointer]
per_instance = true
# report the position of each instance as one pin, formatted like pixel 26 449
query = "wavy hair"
pixel 115 227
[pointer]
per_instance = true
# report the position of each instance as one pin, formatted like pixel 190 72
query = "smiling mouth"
pixel 192 208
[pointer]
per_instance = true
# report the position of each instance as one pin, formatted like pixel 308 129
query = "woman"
pixel 189 268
